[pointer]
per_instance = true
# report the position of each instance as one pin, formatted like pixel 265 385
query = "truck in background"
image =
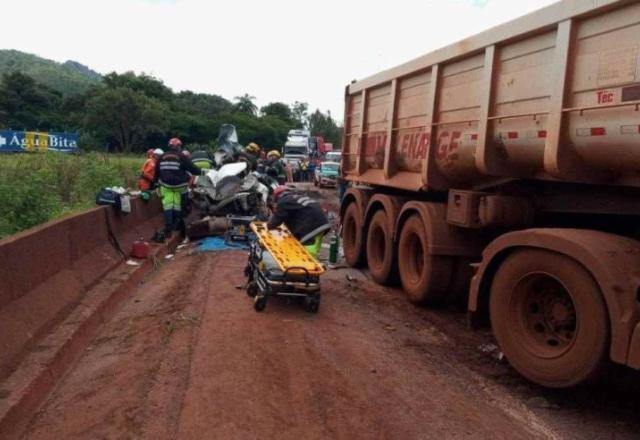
pixel 296 148
pixel 317 146
pixel 505 168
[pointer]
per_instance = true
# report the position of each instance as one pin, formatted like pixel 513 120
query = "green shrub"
pixel 26 202
pixel 35 188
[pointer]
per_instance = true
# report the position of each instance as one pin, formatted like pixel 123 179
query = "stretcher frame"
pixel 300 271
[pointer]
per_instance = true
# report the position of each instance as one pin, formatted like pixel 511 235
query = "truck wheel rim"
pixel 415 261
pixel 377 245
pixel 545 315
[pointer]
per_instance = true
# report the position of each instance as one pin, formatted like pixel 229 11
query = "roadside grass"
pixel 35 188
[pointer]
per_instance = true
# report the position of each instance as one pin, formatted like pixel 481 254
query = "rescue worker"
pixel 312 169
pixel 172 175
pixel 148 171
pixel 253 149
pixel 275 167
pixel 288 168
pixel 302 215
pixel 202 159
pixel 304 170
pixel 251 155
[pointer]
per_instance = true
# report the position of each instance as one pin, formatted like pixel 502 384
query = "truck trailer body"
pixel 506 167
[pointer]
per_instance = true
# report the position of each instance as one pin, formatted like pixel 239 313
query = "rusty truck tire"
pixel 425 278
pixel 379 249
pixel 549 318
pixel 352 236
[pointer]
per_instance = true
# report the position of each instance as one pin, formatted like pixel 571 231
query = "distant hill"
pixel 82 70
pixel 68 78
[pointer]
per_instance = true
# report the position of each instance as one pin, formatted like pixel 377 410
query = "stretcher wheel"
pixel 252 289
pixel 259 303
pixel 312 304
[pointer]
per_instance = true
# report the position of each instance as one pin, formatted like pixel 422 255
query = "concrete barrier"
pixel 46 270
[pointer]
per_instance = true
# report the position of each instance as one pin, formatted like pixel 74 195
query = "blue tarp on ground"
pixel 214 244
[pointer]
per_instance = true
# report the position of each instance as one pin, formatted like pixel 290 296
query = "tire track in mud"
pixel 285 374
pixel 411 330
pixel 165 398
pixel 128 378
pixel 187 357
pixel 440 338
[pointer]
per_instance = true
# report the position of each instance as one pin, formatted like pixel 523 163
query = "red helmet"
pixel 279 191
pixel 175 143
pixel 150 152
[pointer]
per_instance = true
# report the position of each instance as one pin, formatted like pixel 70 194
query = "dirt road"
pixel 186 356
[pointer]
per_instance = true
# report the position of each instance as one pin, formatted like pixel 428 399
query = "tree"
pixel 146 84
pixel 324 125
pixel 133 112
pixel 299 111
pixel 272 132
pixel 26 104
pixel 73 108
pixel 245 104
pixel 126 117
pixel 192 128
pixel 201 104
pixel 278 110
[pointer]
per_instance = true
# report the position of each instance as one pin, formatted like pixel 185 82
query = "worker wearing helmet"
pixel 172 175
pixel 202 159
pixel 148 171
pixel 253 149
pixel 274 166
pixel 302 215
pixel 251 155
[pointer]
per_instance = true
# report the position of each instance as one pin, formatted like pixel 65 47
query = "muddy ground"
pixel 186 356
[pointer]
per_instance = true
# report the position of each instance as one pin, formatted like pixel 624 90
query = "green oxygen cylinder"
pixel 333 248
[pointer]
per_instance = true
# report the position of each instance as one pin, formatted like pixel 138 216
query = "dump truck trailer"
pixel 506 168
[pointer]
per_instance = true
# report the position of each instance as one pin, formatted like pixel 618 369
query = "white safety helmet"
pixel 158 152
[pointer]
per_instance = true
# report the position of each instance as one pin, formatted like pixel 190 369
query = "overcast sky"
pixel 276 50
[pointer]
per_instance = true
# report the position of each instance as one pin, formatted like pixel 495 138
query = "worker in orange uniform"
pixel 148 171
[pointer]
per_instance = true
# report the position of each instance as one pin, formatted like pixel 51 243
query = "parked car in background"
pixel 333 156
pixel 326 174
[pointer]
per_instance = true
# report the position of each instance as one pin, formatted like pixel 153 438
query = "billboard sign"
pixel 33 141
